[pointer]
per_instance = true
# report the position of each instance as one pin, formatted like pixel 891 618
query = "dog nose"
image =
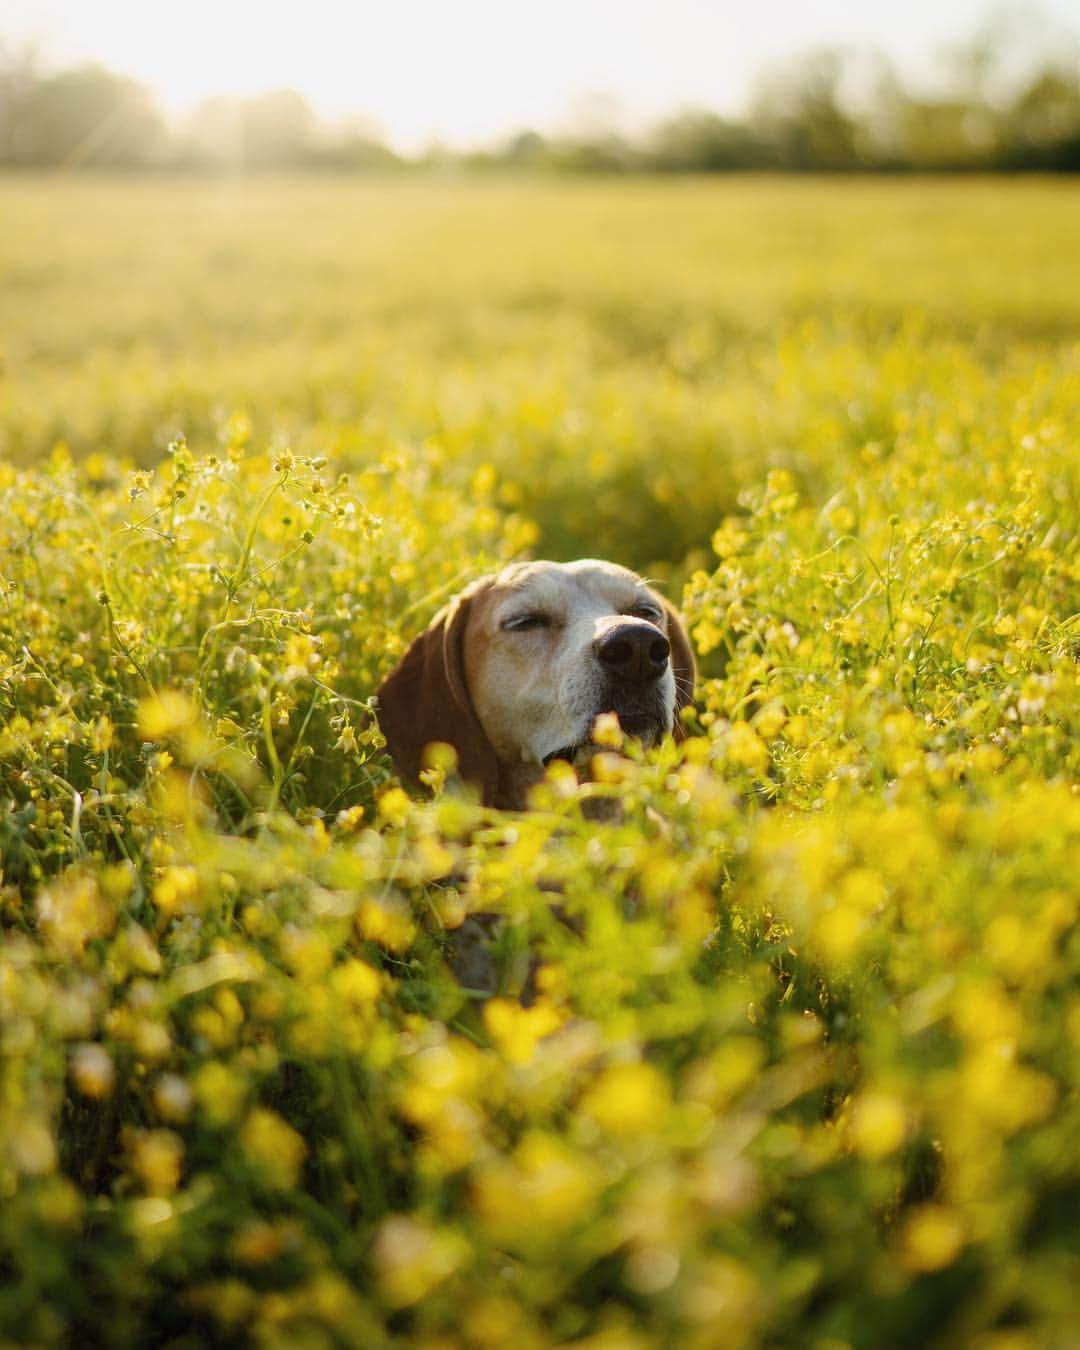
pixel 633 651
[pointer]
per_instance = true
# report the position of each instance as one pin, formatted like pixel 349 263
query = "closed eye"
pixel 521 623
pixel 650 613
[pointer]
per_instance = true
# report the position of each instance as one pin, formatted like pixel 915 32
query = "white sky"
pixel 468 71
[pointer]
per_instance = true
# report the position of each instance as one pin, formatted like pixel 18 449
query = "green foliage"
pixel 768 1038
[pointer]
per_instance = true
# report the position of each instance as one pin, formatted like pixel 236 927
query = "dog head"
pixel 514 672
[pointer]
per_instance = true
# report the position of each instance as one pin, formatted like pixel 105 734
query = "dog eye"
pixel 521 623
pixel 649 613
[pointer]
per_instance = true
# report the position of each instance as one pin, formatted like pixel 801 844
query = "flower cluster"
pixel 766 1037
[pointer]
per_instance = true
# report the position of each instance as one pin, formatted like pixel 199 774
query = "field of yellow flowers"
pixel 785 1050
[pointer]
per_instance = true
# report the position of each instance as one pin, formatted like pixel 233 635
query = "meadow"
pixel 794 1061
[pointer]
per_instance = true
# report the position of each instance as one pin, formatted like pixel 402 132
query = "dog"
pixel 515 670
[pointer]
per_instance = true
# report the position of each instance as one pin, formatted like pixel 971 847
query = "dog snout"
pixel 635 652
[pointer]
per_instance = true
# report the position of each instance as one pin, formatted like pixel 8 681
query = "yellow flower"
pixel 413 1257
pixel 175 890
pixel 707 635
pixel 544 1188
pixel 156 1159
pixel 133 949
pixel 716 1078
pixel 863 889
pixel 607 732
pixel 394 807
pixel 259 1241
pixel 104 734
pixel 932 1238
pixel 348 744
pixel 72 912
pixel 166 715
pixel 730 539
pixel 797 731
pixel 878 1124
pixel 274 1146
pixel 628 1099
pixel 172 1098
pixel 307 953
pixel 433 859
pixel 851 630
pixel 769 722
pixel 839 930
pixel 385 922
pixel 746 749
pixel 220 1092
pixel 60 1204
pixel 350 819
pixel 92 1070
pixel 356 983
pixel 30 1145
pixel 302 656
pixel 516 1030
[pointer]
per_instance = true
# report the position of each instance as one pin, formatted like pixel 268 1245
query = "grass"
pixel 801 1068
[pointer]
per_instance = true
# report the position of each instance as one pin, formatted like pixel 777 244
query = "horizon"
pixel 507 71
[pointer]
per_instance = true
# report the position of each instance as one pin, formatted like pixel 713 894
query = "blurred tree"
pixel 1015 42
pixel 278 128
pixel 213 134
pixel 948 134
pixel 1042 128
pixel 18 80
pixel 701 142
pixel 89 116
pixel 601 154
pixel 797 107
pixel 595 140
pixel 875 98
pixel 1007 98
pixel 353 148
pixel 272 130
pixel 1048 110
pixel 526 150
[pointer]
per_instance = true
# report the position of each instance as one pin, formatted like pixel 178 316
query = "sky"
pixel 467 72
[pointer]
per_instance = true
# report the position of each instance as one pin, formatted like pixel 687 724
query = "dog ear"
pixel 683 665
pixel 425 699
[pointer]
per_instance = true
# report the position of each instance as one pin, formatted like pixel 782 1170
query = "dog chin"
pixel 644 727
pixel 644 717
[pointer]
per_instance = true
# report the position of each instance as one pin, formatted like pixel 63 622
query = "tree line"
pixel 828 111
